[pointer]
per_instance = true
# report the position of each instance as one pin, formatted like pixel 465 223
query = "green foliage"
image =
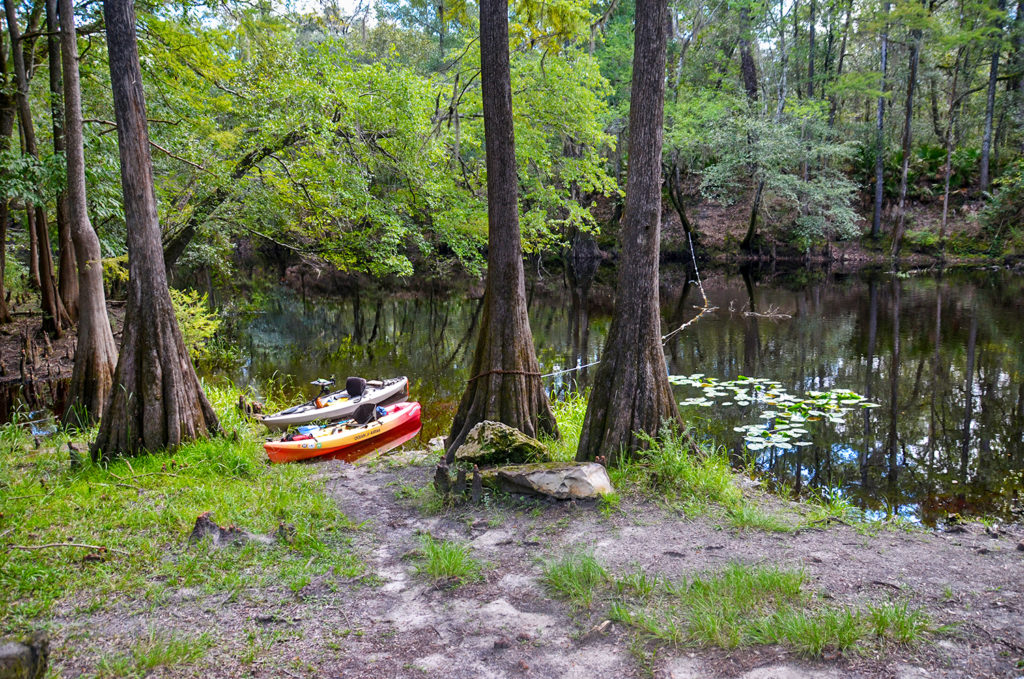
pixel 1003 217
pixel 145 508
pixel 29 179
pixel 750 148
pixel 197 323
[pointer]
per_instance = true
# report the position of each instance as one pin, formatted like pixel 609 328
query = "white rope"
pixel 703 310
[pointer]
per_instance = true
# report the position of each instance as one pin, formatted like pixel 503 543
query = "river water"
pixel 941 354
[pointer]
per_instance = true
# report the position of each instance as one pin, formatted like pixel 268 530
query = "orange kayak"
pixel 337 438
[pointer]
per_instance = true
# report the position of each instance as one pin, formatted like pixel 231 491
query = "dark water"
pixel 943 355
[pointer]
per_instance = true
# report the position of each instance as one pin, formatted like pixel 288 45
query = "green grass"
pixel 575 577
pixel 149 653
pixel 142 511
pixel 831 505
pixel 569 413
pixel 750 516
pixel 739 605
pixel 897 621
pixel 443 560
pixel 676 468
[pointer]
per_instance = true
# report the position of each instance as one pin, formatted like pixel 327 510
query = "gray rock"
pixel 562 481
pixel 491 443
pixel 25 659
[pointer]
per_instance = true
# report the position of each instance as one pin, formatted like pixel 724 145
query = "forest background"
pixel 355 138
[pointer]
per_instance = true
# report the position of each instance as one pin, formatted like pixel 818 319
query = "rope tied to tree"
pixel 498 371
pixel 707 308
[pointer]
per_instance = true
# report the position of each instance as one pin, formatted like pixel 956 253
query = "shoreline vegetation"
pixel 92 551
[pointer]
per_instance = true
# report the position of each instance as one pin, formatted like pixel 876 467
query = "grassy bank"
pixel 80 538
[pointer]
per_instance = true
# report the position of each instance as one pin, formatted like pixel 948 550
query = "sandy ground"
pixel 394 623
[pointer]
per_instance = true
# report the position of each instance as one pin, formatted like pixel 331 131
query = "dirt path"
pixel 396 624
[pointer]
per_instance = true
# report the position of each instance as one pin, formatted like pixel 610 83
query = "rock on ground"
pixel 24 659
pixel 490 443
pixel 562 481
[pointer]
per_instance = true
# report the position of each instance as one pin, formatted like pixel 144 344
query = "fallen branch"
pixel 98 548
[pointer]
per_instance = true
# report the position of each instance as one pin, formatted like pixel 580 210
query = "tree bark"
pixel 908 118
pixel 157 401
pixel 834 100
pixel 67 278
pixel 96 352
pixel 747 65
pixel 810 52
pixel 55 318
pixel 631 394
pixel 990 104
pixel 505 383
pixel 876 220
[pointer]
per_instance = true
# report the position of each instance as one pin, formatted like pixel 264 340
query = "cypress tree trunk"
pixel 67 279
pixel 504 383
pixel 96 353
pixel 55 317
pixel 157 400
pixel 631 393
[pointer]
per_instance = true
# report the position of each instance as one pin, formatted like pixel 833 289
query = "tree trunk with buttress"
pixel 96 352
pixel 504 383
pixel 157 400
pixel 67 275
pixel 631 394
pixel 55 317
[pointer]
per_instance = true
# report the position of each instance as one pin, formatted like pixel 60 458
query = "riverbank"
pixel 353 597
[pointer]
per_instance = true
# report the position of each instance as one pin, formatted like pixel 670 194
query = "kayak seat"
pixel 355 386
pixel 368 412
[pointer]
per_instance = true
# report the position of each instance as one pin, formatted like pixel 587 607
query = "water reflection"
pixel 942 355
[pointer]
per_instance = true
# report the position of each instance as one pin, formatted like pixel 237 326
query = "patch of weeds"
pixel 749 516
pixel 638 583
pixel 609 503
pixel 442 560
pixel 831 505
pixel 155 651
pixel 676 467
pixel 575 577
pixel 897 621
pixel 569 413
pixel 810 633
